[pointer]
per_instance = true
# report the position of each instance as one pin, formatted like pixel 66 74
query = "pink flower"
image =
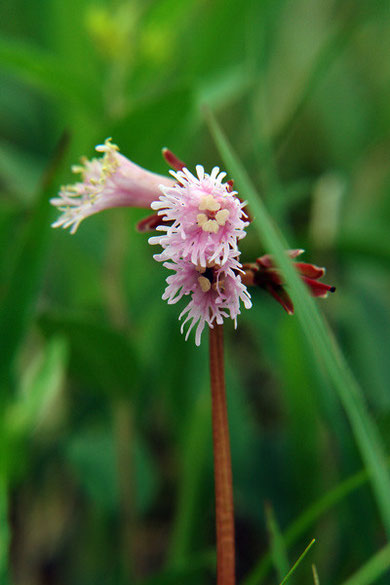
pixel 216 292
pixel 205 217
pixel 110 181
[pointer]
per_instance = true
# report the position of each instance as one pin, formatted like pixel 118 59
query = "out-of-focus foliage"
pixel 105 438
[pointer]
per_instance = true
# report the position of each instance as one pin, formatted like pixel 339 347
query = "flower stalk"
pixel 224 510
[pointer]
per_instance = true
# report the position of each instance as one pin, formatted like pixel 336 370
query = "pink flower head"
pixel 110 181
pixel 206 218
pixel 216 292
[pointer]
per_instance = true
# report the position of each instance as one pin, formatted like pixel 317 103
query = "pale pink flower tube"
pixel 110 181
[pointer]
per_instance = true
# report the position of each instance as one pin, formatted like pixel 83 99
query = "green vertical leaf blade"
pixel 4 528
pixel 307 518
pixel 278 545
pixel 194 456
pixel 20 295
pixel 373 569
pixel 43 70
pixel 321 340
pixel 40 385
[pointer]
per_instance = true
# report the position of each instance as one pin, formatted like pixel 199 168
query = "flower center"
pixel 207 277
pixel 212 216
pixel 207 280
pixel 204 283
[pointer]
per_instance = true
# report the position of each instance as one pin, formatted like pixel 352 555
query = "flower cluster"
pixel 206 217
pixel 204 220
pixel 200 219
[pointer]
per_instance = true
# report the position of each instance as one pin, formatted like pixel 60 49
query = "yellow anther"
pixel 70 189
pixel 204 283
pixel 219 286
pixel 77 169
pixel 107 146
pixel 210 226
pixel 222 216
pixel 201 219
pixel 209 203
pixel 200 268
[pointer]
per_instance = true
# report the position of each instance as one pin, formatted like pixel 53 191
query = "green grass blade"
pixel 321 340
pixel 337 42
pixel 41 384
pixel 325 59
pixel 306 520
pixel 298 562
pixel 20 295
pixel 97 352
pixel 278 546
pixel 44 71
pixel 372 570
pixel 191 570
pixel 4 527
pixel 316 578
pixel 195 450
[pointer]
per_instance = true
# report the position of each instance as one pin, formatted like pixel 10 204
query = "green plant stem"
pixel 224 511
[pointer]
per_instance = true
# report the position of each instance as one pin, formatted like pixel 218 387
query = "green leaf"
pixel 4 529
pixel 44 71
pixel 307 519
pixel 191 571
pixel 99 353
pixel 159 114
pixel 278 547
pixel 372 570
pixel 331 50
pixel 19 171
pixel 194 453
pixel 93 457
pixel 336 43
pixel 40 384
pixel 20 294
pixel 322 342
pixel 224 87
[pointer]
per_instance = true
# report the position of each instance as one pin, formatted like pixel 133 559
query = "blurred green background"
pixel 105 433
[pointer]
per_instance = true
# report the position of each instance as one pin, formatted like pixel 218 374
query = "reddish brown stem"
pixel 224 512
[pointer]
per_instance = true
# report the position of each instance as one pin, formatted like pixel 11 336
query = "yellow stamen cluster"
pixel 204 283
pixel 211 222
pixel 108 165
pixel 209 203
